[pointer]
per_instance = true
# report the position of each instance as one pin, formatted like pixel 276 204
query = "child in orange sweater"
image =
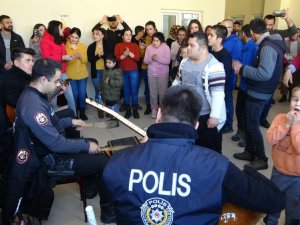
pixel 284 136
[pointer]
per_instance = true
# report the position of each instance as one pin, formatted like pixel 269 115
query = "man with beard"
pixel 8 41
pixel 113 34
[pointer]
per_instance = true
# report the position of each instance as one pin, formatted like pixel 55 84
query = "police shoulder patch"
pixel 41 118
pixel 157 211
pixel 22 156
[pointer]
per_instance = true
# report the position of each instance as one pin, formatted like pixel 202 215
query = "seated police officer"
pixel 170 180
pixel 46 132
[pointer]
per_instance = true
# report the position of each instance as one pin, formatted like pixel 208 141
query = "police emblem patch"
pixel 41 118
pixel 22 156
pixel 157 211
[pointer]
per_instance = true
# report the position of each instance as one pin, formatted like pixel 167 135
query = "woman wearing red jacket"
pixel 127 54
pixel 53 47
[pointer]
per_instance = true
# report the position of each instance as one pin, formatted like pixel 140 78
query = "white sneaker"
pixel 153 113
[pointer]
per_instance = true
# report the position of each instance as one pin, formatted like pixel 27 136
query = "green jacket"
pixel 111 90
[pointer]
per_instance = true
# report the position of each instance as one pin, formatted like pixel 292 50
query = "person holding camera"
pixel 35 40
pixel 113 34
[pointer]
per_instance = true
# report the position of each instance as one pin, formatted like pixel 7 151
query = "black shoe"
pixel 283 99
pixel 100 114
pixel 226 129
pixel 237 135
pixel 135 112
pixel 128 112
pixel 243 156
pixel 258 164
pixel 82 115
pixel 265 124
pixel 242 143
pixel 148 110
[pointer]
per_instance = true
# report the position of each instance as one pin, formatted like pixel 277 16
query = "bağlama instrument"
pixel 231 214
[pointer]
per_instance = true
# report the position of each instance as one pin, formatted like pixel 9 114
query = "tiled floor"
pixel 67 208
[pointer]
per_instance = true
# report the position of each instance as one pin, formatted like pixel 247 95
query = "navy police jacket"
pixel 169 180
pixel 46 129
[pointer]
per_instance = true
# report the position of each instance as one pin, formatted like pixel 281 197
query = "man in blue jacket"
pixel 170 180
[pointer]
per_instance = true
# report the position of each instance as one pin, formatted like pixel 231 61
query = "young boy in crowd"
pixel 284 136
pixel 216 36
pixel 111 84
pixel 182 54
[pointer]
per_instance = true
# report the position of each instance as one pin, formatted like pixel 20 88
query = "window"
pixel 178 17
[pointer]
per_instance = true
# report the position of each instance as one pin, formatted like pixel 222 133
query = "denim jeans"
pixel 96 80
pixel 146 91
pixel 79 92
pixel 254 138
pixel 229 108
pixel 131 86
pixel 290 186
pixel 266 110
pixel 68 95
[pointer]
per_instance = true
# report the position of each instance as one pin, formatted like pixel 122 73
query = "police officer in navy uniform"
pixel 47 133
pixel 169 180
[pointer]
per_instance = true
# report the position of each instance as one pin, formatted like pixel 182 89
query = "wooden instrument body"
pixel 231 214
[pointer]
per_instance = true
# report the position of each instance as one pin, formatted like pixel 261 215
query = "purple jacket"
pixel 161 66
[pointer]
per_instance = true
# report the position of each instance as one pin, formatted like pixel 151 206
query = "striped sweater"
pixel 212 85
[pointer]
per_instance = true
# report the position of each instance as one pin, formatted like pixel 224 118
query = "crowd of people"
pixel 202 67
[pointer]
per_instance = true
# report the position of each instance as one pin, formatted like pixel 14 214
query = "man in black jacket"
pixel 8 41
pixel 113 35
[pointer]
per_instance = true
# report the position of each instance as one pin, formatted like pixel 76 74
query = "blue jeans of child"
pixel 131 86
pixel 79 92
pixel 290 185
pixel 229 108
pixel 96 80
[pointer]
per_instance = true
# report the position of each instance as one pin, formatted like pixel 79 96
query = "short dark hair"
pixel 138 29
pixel 237 22
pixel 2 17
pixel 201 38
pixel 99 28
pixel 160 36
pixel 221 31
pixel 124 30
pixel 270 17
pixel 111 57
pixel 181 104
pixel 75 30
pixel 45 67
pixel 258 26
pixel 18 52
pixel 53 29
pixel 246 30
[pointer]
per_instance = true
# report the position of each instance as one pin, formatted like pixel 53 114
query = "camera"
pixel 111 18
pixel 36 33
pixel 279 13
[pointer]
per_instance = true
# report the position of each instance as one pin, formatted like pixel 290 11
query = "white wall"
pixel 85 14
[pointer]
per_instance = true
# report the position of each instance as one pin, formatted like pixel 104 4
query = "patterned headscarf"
pixel 173 31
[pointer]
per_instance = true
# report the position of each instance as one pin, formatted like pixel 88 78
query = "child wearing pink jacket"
pixel 284 136
pixel 157 56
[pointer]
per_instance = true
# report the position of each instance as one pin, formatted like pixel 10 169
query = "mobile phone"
pixel 36 33
pixel 111 18
pixel 143 40
pixel 279 13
